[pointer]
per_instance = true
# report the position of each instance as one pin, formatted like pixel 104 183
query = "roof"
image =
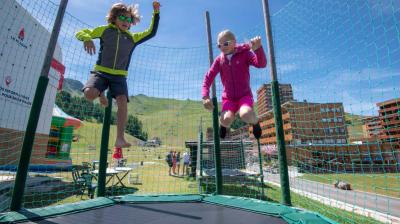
pixel 69 120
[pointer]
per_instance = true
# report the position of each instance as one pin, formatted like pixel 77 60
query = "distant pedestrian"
pixel 178 161
pixel 186 163
pixel 168 159
pixel 174 162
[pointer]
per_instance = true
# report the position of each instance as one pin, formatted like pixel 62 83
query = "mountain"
pixel 73 87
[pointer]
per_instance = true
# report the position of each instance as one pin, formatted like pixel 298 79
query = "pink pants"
pixel 234 106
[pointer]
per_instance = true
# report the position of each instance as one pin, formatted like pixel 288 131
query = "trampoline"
pixel 164 209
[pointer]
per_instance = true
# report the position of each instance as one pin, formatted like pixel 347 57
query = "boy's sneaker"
pixel 257 131
pixel 222 131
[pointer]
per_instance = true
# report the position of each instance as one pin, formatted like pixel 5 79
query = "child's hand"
pixel 156 6
pixel 255 43
pixel 89 47
pixel 208 104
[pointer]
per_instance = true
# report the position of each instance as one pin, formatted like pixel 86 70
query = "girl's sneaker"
pixel 222 131
pixel 257 132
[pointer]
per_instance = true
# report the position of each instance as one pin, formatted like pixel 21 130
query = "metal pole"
pixel 105 135
pixel 217 148
pixel 200 157
pixel 29 138
pixel 284 174
pixel 261 169
pixel 200 148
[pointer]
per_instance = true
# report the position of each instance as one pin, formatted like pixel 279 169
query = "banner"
pixel 22 53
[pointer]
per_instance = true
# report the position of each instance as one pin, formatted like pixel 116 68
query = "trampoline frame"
pixel 288 214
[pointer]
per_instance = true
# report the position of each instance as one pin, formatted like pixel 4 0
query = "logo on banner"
pixel 21 34
pixel 20 38
pixel 8 80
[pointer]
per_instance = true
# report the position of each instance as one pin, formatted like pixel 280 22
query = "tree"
pixel 134 128
pixel 79 107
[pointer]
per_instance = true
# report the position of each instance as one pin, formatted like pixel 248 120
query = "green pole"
pixel 105 134
pixel 200 157
pixel 261 169
pixel 29 138
pixel 217 148
pixel 200 148
pixel 284 175
pixel 242 159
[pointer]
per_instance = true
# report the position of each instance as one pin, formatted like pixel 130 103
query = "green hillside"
pixel 354 125
pixel 90 135
pixel 176 121
pixel 173 121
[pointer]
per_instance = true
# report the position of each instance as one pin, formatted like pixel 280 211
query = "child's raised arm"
pixel 86 35
pixel 152 30
pixel 258 59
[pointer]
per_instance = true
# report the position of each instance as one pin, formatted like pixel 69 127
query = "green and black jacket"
pixel 116 46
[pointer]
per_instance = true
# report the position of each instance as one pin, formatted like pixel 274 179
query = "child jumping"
pixel 234 64
pixel 116 47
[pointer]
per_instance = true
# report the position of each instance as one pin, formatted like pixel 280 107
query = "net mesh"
pixel 338 65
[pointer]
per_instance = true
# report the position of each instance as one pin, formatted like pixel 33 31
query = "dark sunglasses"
pixel 123 18
pixel 225 44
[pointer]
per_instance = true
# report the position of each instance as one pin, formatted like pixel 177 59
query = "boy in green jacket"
pixel 116 47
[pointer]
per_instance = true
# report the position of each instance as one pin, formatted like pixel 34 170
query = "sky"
pixel 329 51
pixel 182 22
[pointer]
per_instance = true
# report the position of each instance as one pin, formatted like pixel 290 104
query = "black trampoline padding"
pixel 164 213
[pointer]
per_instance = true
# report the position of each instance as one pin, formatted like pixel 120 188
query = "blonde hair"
pixel 120 8
pixel 227 34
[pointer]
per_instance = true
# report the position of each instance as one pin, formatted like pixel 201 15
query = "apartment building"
pixel 264 96
pixel 389 116
pixel 307 123
pixel 371 127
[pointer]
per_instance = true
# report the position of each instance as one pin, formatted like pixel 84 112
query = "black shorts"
pixel 101 81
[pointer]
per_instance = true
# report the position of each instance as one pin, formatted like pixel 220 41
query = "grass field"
pixel 335 214
pixel 385 184
pixel 154 170
pixel 90 137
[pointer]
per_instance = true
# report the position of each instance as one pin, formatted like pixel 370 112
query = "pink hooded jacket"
pixel 235 75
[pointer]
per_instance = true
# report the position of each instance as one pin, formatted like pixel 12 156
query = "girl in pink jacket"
pixel 233 64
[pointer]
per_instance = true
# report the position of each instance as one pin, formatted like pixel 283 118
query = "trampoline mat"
pixel 164 213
